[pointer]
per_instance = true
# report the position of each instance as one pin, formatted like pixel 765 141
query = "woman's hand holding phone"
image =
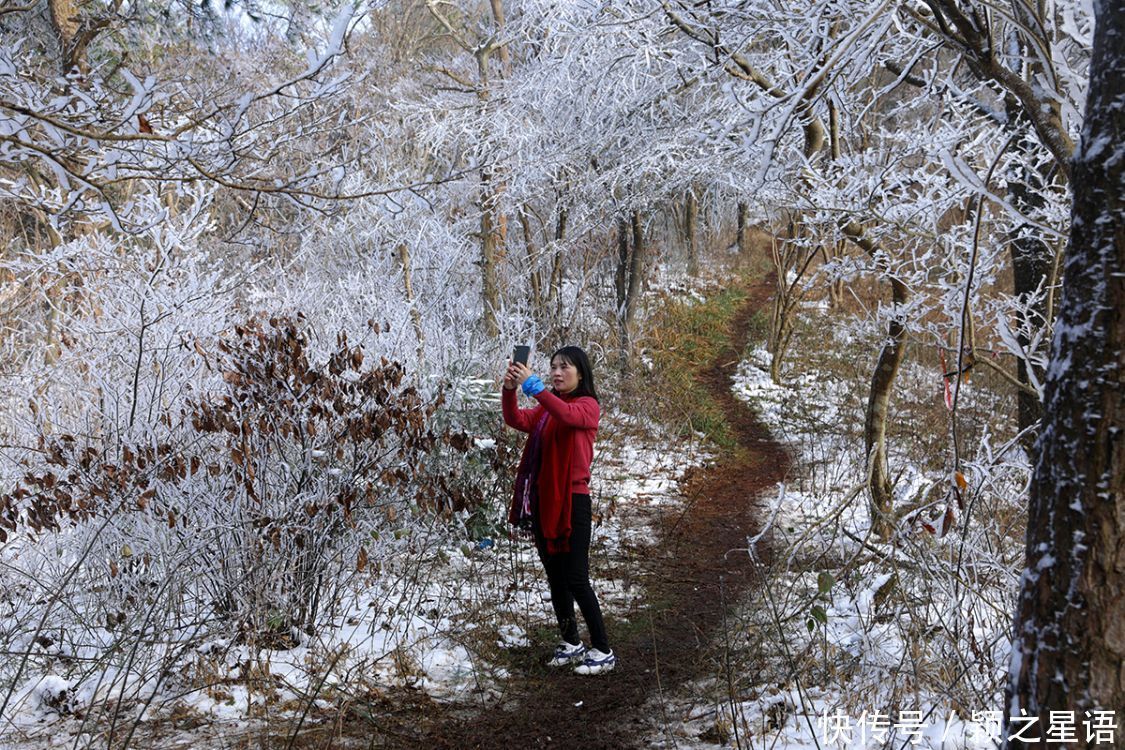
pixel 515 376
pixel 509 381
pixel 519 372
pixel 516 373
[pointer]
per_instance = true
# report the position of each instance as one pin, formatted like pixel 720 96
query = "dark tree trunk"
pixel 833 130
pixel 555 291
pixel 490 255
pixel 875 419
pixel 627 279
pixel 834 250
pixel 1068 651
pixel 621 287
pixel 879 397
pixel 691 221
pixel 1032 260
pixel 621 276
pixel 636 270
pixel 743 227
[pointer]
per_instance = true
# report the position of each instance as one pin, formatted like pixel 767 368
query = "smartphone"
pixel 521 354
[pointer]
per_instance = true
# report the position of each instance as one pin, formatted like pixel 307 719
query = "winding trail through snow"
pixel 689 577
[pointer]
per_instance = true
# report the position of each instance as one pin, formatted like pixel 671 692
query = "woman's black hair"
pixel 581 362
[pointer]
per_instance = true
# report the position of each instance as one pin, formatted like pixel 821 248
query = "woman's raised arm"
pixel 521 419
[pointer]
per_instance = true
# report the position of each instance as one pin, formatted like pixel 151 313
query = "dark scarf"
pixel 543 483
pixel 525 502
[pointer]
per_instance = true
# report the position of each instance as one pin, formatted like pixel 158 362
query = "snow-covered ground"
pixel 854 643
pixel 851 636
pixel 432 618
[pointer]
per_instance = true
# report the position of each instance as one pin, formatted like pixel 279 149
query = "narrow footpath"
pixel 690 577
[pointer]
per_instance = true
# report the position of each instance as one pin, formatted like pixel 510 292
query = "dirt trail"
pixel 687 577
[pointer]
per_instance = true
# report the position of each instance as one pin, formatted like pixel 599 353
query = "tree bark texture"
pixel 555 291
pixel 621 275
pixel 691 224
pixel 1068 651
pixel 834 250
pixel 1032 261
pixel 879 396
pixel 64 19
pixel 636 269
pixel 743 227
pixel 498 18
pixel 875 419
pixel 627 279
pixel 490 254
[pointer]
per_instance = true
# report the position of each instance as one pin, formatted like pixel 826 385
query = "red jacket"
pixel 568 449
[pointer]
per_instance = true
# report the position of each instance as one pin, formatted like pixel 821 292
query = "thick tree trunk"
pixel 1068 651
pixel 627 279
pixel 65 20
pixel 1031 267
pixel 743 227
pixel 875 419
pixel 879 397
pixel 1032 259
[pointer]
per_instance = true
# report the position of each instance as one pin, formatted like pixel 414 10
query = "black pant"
pixel 568 574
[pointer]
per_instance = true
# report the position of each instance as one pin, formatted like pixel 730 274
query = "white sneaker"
pixel 567 653
pixel 596 662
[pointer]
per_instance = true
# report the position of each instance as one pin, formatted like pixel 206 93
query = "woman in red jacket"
pixel 552 497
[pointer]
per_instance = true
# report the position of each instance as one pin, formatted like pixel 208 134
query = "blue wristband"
pixel 533 385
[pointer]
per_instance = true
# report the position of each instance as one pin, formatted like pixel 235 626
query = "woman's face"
pixel 564 375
